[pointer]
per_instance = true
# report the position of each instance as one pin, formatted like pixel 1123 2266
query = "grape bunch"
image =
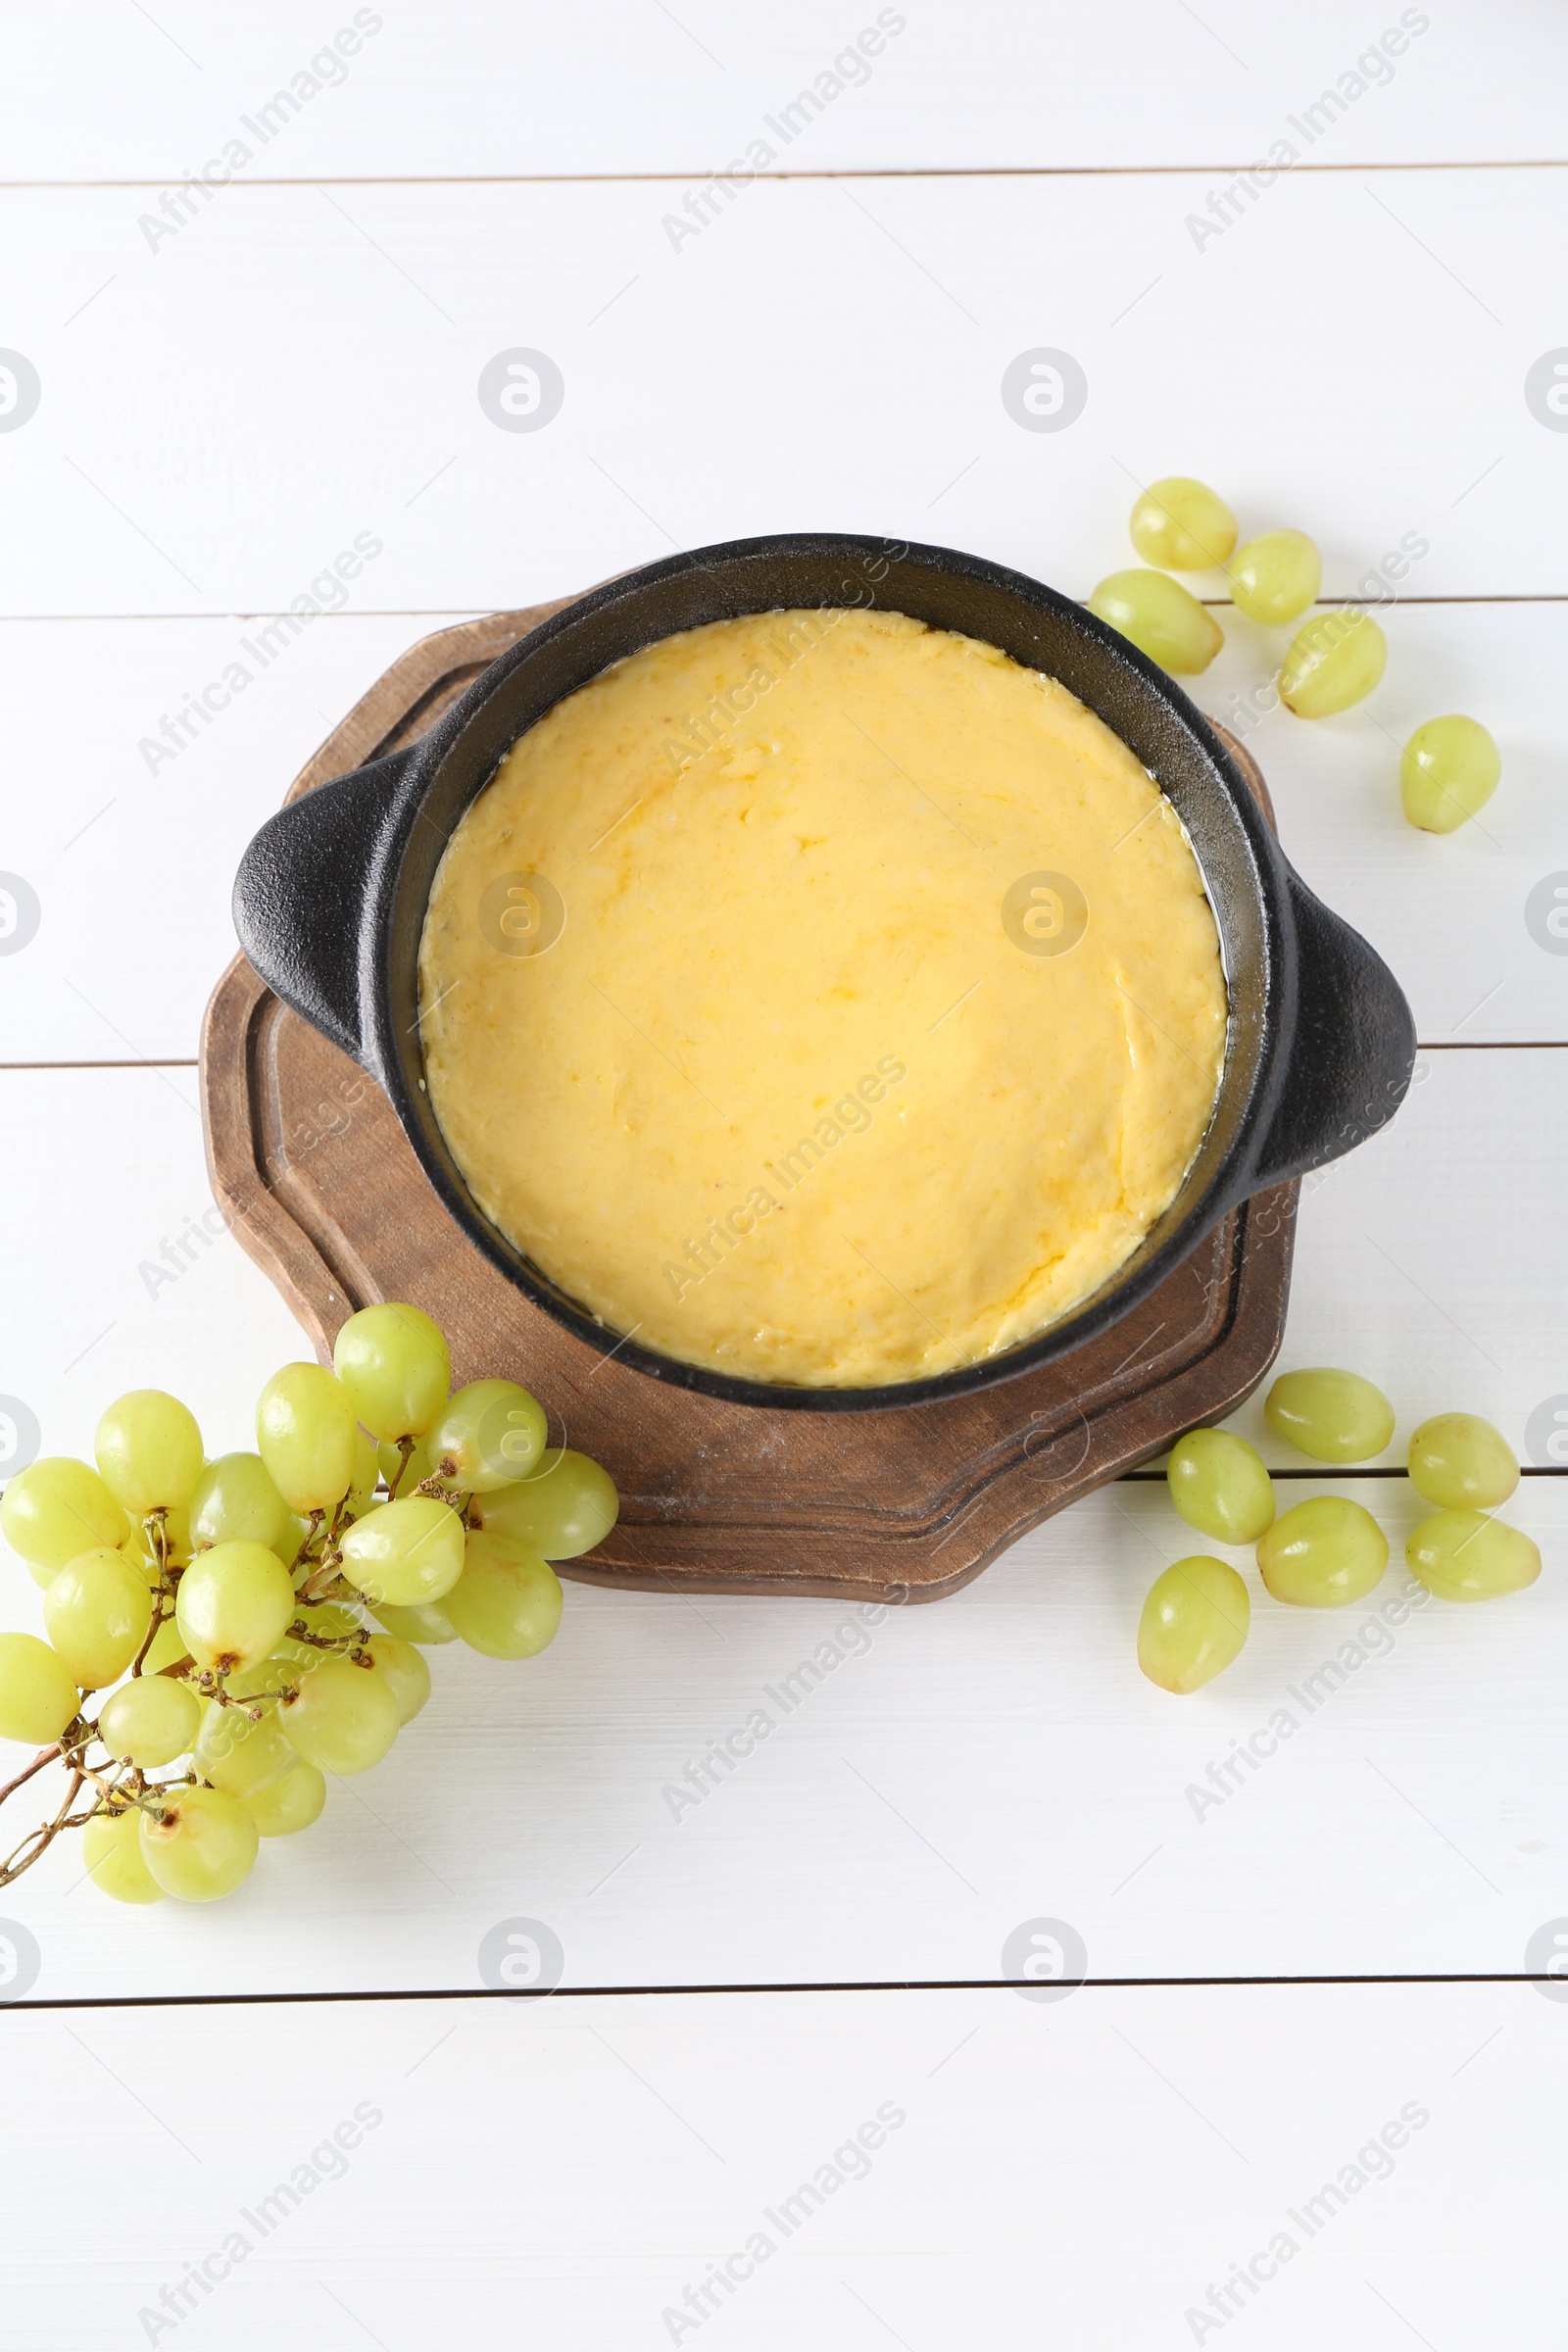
pixel 250 1626
pixel 1450 766
pixel 1327 1551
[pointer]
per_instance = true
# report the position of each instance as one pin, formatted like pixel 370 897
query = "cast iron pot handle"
pixel 300 895
pixel 1353 1051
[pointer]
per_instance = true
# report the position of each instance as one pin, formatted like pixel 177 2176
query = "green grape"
pixel 1450 770
pixel 1463 1555
pixel 1276 575
pixel 395 1364
pixel 1219 1485
pixel 236 1502
pixel 1333 660
pixel 234 1604
pixel 507 1602
pixel 168 1648
pixel 289 1804
pixel 1159 617
pixel 96 1613
pixel 1194 1624
pixel 403 1670
pixel 151 1721
pixel 149 1451
pixel 364 1476
pixel 561 1509
pixel 405 1552
pixel 1323 1553
pixel 203 1846
pixel 1334 1416
pixel 111 1855
pixel 492 1432
pixel 55 1510
pixel 405 1479
pixel 241 1756
pixel 1181 525
pixel 426 1622
pixel 37 1696
pixel 1459 1461
pixel 305 1432
pixel 342 1718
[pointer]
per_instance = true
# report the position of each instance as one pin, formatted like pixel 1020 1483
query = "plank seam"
pixel 600 1992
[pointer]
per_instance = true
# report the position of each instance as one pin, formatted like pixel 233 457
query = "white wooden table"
pixel 245 362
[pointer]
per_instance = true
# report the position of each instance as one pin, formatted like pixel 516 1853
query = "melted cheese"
pixel 853 1007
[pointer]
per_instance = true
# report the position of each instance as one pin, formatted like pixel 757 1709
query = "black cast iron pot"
pixel 331 895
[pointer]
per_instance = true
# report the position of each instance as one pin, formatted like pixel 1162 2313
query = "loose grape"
pixel 1323 1553
pixel 1463 1555
pixel 37 1696
pixel 203 1846
pixel 305 1432
pixel 234 1604
pixel 55 1510
pixel 405 1552
pixel 1450 770
pixel 1181 525
pixel 151 1721
pixel 1334 1416
pixel 149 1451
pixel 1333 660
pixel 507 1602
pixel 341 1718
pixel 562 1509
pixel 1219 1485
pixel 241 1756
pixel 492 1432
pixel 1276 575
pixel 404 1671
pixel 168 1648
pixel 110 1851
pixel 395 1364
pixel 1194 1624
pixel 1459 1461
pixel 96 1612
pixel 289 1804
pixel 427 1623
pixel 236 1502
pixel 1159 617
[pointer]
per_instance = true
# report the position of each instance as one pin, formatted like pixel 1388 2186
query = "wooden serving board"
pixel 322 1187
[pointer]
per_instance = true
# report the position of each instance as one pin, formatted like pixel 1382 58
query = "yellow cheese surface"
pixel 822 998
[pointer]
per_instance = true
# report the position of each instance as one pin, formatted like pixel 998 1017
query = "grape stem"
pixel 45 1755
pixel 157 1532
pixel 309 1537
pixel 405 1448
pixel 44 1836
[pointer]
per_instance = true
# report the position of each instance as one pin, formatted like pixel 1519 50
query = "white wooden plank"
pixel 292 369
pixel 127 823
pixel 616 86
pixel 126 816
pixel 591 2163
pixel 966 1767
pixel 1427 1258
